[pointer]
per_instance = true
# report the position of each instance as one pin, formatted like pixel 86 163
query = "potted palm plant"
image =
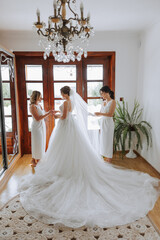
pixel 129 129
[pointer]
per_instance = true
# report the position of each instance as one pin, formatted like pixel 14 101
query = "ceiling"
pixel 113 15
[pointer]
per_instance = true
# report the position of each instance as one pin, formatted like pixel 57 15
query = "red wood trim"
pixel 20 81
pixel 36 58
pixel 63 81
pixel 40 54
pixel 93 97
pixel 48 98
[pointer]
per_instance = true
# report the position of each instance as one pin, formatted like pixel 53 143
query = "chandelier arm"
pixel 59 15
pixel 77 32
pixel 70 39
pixel 71 18
pixel 39 31
pixel 81 29
pixel 87 35
pixel 72 29
pixel 75 14
pixel 53 29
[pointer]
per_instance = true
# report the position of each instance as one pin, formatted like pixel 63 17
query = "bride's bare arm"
pixel 65 110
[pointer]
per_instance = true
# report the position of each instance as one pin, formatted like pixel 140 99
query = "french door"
pixel 48 76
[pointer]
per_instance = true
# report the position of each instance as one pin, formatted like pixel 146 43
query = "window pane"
pixel 6 90
pixel 7 107
pixel 28 103
pixel 33 72
pixel 64 72
pixel 93 89
pixel 34 86
pixel 94 105
pixel 29 123
pixel 58 86
pixel 5 72
pixel 95 72
pixel 8 124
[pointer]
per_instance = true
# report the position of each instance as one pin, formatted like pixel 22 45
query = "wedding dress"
pixel 72 184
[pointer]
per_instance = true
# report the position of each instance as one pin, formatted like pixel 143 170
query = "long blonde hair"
pixel 34 97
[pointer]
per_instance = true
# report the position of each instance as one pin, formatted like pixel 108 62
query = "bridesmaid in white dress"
pixel 107 124
pixel 38 128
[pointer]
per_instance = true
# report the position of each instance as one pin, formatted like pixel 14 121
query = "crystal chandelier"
pixel 66 39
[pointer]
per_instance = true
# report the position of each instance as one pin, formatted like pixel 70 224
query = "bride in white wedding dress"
pixel 74 186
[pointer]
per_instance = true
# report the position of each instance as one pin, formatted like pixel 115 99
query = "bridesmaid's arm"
pixel 35 114
pixel 111 110
pixel 57 116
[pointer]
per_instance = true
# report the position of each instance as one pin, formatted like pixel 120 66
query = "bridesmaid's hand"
pixel 57 116
pixel 97 113
pixel 53 112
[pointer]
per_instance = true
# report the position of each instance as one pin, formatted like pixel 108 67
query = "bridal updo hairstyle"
pixel 34 97
pixel 65 90
pixel 106 89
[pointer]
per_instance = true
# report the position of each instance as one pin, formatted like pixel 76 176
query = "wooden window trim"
pixel 36 58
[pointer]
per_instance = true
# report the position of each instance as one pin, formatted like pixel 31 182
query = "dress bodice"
pixel 40 112
pixel 62 107
pixel 105 108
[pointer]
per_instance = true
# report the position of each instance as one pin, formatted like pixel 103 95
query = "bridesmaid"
pixel 107 124
pixel 38 128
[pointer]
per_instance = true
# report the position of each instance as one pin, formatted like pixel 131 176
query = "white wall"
pixel 124 43
pixel 148 89
pixel 126 46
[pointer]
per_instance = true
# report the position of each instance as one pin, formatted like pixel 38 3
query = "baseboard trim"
pixel 139 155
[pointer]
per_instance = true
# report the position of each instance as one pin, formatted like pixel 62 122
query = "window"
pixel 48 77
pixel 94 82
pixel 34 81
pixel 6 87
pixel 63 75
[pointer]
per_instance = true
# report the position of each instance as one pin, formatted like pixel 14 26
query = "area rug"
pixel 16 224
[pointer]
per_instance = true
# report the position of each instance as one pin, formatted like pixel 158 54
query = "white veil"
pixel 88 122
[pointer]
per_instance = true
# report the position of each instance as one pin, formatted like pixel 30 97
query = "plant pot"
pixel 131 154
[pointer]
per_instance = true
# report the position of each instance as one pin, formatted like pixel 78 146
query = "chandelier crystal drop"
pixel 66 39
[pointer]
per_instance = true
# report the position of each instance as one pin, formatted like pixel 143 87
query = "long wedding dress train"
pixel 74 186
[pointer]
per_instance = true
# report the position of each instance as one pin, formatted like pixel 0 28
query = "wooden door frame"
pixel 33 58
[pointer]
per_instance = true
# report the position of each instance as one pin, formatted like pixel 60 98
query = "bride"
pixel 74 186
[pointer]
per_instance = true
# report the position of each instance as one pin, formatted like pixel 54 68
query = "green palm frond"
pixel 138 136
pixel 126 123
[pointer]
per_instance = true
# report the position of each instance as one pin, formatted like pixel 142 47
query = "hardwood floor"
pixel 22 167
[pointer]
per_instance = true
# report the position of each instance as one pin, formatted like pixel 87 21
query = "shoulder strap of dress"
pixel 110 101
pixel 34 105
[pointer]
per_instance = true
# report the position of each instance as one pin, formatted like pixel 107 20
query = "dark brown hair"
pixel 106 89
pixel 65 90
